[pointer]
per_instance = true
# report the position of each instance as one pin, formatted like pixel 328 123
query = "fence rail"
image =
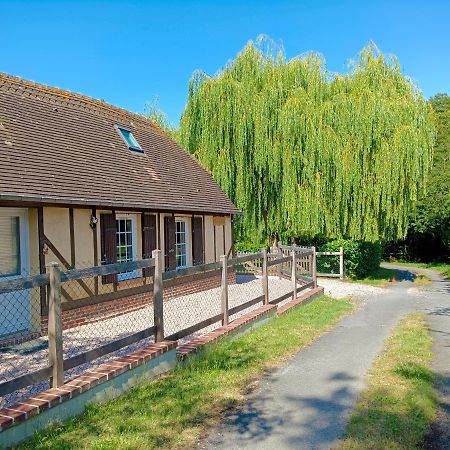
pixel 341 272
pixel 256 278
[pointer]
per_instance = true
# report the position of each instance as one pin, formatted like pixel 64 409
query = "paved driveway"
pixel 306 404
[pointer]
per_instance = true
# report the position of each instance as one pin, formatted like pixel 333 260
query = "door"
pixel 14 264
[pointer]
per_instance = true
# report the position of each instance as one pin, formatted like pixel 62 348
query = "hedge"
pixel 360 258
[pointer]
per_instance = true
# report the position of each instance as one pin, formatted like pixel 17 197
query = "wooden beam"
pixel 223 239
pixel 66 264
pixel 107 269
pixel 41 239
pixel 215 249
pixel 87 301
pixel 95 244
pixel 97 352
pixel 72 238
pixel 193 328
pixel 246 305
pixel 25 380
pixel 204 238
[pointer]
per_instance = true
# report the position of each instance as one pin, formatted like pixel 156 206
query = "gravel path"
pixel 179 313
pixel 306 404
pixel 341 289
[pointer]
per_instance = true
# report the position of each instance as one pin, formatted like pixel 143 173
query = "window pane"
pixel 129 138
pixel 9 246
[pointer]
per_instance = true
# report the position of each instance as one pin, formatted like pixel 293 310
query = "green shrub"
pixel 248 247
pixel 360 258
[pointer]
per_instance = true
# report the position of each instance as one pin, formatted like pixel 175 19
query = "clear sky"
pixel 129 52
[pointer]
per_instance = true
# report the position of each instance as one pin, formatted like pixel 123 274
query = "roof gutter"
pixel 109 204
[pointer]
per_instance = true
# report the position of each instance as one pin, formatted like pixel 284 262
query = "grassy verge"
pixel 173 411
pixel 398 406
pixel 443 268
pixel 380 277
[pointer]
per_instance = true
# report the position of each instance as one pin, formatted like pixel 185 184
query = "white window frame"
pixel 133 273
pixel 187 241
pixel 24 262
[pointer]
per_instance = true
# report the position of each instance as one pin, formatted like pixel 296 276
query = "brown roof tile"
pixel 56 146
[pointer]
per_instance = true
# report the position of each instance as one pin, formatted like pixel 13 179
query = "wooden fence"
pixel 296 263
pixel 341 273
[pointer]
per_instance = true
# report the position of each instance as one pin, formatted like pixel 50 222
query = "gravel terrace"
pixel 179 313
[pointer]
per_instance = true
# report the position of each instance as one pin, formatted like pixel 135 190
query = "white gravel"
pixel 341 289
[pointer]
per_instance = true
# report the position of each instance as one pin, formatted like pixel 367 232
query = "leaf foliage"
pixel 306 153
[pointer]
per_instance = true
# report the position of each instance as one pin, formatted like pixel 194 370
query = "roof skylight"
pixel 129 139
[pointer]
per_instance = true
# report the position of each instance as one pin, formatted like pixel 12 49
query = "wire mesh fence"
pixel 94 314
pixel 98 311
pixel 23 349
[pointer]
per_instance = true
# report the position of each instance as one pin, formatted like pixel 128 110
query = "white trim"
pixel 22 213
pixel 17 305
pixel 134 273
pixel 187 239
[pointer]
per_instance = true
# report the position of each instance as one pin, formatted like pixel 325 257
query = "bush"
pixel 360 258
pixel 248 247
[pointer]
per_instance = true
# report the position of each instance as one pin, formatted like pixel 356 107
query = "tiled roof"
pixel 61 147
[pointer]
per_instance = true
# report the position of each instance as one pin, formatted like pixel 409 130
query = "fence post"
pixel 224 290
pixel 314 267
pixel 341 263
pixel 55 338
pixel 265 277
pixel 279 266
pixel 294 276
pixel 158 308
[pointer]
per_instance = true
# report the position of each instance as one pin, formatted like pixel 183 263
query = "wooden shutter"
pixel 169 243
pixel 197 241
pixel 148 222
pixel 108 244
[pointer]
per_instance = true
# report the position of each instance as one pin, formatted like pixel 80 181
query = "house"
pixel 86 183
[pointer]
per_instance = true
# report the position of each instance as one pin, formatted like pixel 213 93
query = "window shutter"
pixel 169 243
pixel 108 244
pixel 197 241
pixel 148 222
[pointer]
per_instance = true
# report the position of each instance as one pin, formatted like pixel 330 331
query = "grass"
pixel 380 277
pixel 443 268
pixel 398 406
pixel 174 411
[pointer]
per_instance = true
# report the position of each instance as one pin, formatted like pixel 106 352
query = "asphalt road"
pixel 306 404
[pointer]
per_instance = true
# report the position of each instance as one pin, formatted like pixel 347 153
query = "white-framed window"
pixel 181 242
pixel 10 258
pixel 126 243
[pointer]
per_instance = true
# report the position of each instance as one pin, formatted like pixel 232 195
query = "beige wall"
pixel 209 240
pixel 56 228
pixel 217 233
pixel 83 237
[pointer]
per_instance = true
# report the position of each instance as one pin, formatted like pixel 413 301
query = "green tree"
pixel 432 216
pixel 304 152
pixel 153 112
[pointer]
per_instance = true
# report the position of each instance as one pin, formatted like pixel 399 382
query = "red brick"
pixel 81 385
pixel 5 421
pixel 15 415
pixel 63 394
pixel 41 404
pixel 50 398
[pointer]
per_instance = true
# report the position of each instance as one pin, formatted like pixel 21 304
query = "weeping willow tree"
pixel 306 153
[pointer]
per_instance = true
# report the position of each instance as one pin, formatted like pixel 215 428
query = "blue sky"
pixel 129 52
